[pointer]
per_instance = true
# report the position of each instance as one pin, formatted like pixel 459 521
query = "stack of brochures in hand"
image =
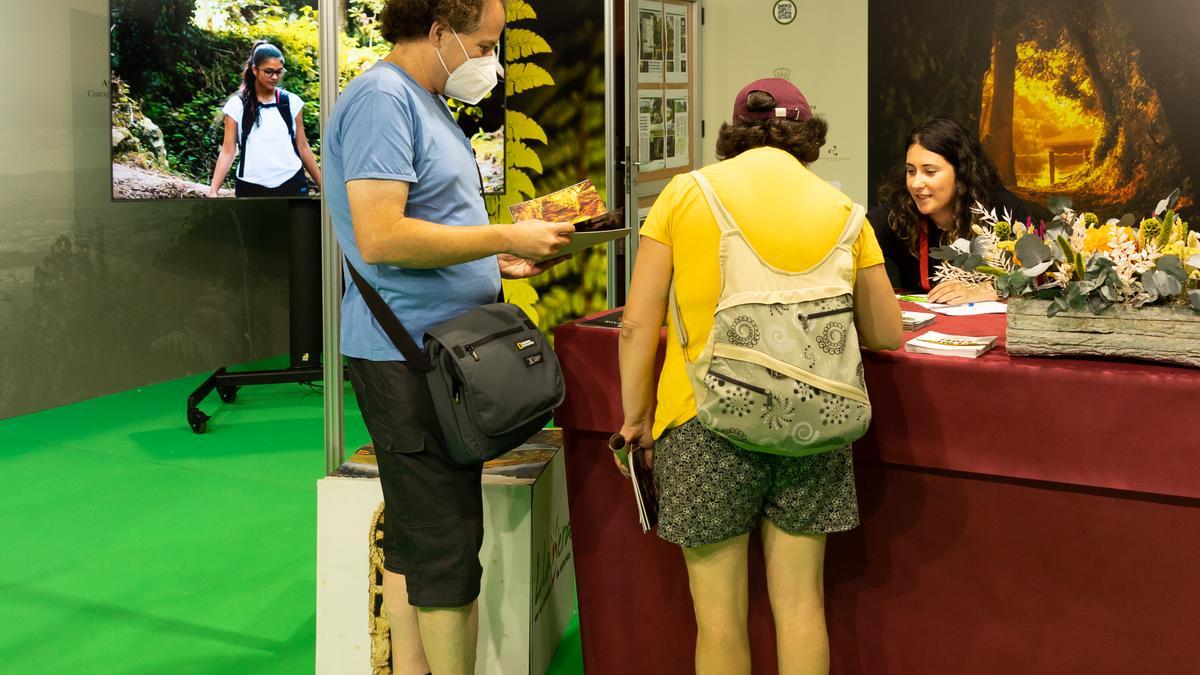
pixel 641 474
pixel 915 320
pixel 642 478
pixel 968 346
pixel 581 205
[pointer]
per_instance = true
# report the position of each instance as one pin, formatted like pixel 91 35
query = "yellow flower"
pixel 1175 249
pixel 1009 247
pixel 1097 239
pixel 1149 231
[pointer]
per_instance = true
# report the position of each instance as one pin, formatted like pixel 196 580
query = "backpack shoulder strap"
pixel 680 329
pixel 727 225
pixel 854 225
pixel 284 103
pixel 246 125
pixel 724 219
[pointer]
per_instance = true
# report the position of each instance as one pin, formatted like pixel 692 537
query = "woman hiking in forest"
pixel 273 148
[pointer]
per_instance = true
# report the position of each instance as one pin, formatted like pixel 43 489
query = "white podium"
pixel 528 591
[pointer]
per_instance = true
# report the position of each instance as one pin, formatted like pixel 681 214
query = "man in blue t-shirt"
pixel 404 194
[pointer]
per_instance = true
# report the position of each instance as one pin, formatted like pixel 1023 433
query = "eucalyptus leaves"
pixel 1076 262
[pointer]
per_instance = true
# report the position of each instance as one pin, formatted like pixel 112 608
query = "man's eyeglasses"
pixel 272 72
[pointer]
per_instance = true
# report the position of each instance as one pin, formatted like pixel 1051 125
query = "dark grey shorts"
pixel 711 490
pixel 432 507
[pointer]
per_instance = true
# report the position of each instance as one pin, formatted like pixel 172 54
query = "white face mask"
pixel 472 80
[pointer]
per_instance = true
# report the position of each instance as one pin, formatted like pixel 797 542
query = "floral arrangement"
pixel 1076 261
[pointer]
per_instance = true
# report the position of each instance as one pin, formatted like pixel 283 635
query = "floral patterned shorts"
pixel 711 490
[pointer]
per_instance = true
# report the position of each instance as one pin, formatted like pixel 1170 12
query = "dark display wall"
pixel 97 297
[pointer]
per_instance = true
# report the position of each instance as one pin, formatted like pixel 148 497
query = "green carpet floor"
pixel 132 545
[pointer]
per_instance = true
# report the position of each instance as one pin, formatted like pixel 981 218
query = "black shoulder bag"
pixel 495 381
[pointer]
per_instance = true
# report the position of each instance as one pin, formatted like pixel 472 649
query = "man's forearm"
pixel 421 244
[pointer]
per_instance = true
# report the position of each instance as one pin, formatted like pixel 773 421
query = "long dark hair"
pixel 261 51
pixel 975 178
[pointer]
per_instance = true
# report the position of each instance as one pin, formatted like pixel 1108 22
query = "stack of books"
pixel 967 346
pixel 915 320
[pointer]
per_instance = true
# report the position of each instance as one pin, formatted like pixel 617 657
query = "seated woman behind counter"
pixel 927 203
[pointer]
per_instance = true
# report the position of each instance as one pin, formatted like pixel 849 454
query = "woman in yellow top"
pixel 712 493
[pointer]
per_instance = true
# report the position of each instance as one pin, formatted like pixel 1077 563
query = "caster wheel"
pixel 197 420
pixel 227 394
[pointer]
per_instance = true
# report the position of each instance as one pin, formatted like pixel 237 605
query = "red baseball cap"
pixel 789 102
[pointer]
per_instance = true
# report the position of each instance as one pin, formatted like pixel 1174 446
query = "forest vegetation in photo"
pixel 176 62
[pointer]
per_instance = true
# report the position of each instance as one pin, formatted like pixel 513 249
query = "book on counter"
pixel 610 320
pixel 915 320
pixel 933 342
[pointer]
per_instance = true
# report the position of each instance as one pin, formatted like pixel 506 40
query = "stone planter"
pixel 1166 334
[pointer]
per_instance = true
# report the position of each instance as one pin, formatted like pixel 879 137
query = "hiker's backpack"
pixel 284 103
pixel 781 371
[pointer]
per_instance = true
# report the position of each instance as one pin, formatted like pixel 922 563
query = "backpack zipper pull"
pixel 474 354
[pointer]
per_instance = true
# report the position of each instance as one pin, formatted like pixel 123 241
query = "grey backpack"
pixel 781 371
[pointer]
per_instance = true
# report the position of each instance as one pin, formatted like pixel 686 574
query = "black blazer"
pixel 903 268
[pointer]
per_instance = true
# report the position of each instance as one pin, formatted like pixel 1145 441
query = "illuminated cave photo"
pixel 1056 122
pixel 1066 109
pixel 1094 100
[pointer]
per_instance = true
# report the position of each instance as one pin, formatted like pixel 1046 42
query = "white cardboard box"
pixel 528 588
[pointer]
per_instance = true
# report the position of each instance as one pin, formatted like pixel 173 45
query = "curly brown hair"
pixel 802 139
pixel 975 179
pixel 405 20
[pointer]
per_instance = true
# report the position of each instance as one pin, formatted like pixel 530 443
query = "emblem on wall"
pixel 784 11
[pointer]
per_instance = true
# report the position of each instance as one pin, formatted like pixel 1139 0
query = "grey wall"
pixel 95 296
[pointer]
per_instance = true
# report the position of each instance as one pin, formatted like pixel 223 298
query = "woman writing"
pixel 264 126
pixel 714 493
pixel 927 203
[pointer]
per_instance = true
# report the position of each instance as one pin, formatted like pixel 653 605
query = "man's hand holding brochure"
pixel 581 205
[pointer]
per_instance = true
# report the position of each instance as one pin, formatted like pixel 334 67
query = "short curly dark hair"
pixel 802 139
pixel 405 20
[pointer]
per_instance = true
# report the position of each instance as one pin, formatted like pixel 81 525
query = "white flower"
pixel 1077 236
pixel 1129 263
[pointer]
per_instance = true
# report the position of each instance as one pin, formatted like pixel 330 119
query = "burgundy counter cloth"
pixel 1019 515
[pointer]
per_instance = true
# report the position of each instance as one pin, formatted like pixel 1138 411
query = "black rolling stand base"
pixel 304 319
pixel 227 384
